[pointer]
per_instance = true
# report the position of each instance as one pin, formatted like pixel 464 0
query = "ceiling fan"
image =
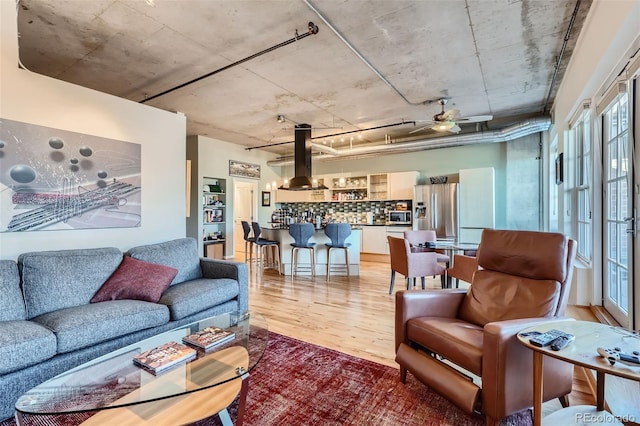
pixel 447 121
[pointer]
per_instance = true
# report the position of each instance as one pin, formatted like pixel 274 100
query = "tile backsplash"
pixel 350 212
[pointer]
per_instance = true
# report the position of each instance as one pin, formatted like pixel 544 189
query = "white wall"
pixel 213 161
pixel 35 99
pixel 611 33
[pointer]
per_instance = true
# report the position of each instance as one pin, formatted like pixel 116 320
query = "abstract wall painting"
pixel 52 179
pixel 241 169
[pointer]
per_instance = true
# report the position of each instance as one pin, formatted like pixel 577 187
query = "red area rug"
pixel 297 383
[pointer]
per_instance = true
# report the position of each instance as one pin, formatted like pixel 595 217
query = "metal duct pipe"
pixel 525 128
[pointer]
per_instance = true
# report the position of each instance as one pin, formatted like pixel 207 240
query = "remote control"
pixel 545 339
pixel 562 341
pixel 614 356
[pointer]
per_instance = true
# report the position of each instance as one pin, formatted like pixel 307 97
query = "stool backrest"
pixel 301 232
pixel 337 233
pixel 256 230
pixel 246 228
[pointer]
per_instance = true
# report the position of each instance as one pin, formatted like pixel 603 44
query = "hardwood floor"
pixel 353 315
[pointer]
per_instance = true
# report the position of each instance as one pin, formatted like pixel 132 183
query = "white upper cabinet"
pixel 401 185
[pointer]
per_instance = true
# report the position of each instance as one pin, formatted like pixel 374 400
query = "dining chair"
pixel 463 268
pixel 422 236
pixel 412 264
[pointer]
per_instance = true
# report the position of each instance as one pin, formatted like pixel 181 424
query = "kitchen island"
pixel 304 261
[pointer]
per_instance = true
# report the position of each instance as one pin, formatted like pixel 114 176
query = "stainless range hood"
pixel 302 180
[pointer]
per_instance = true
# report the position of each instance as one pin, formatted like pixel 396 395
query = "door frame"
pixel 237 184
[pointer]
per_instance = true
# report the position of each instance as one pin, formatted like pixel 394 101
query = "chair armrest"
pixel 507 368
pixel 414 304
pixel 239 271
pixel 463 267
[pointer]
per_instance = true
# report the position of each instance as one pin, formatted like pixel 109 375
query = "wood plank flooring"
pixel 354 315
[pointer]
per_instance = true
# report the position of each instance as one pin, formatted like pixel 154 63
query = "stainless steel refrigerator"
pixel 436 207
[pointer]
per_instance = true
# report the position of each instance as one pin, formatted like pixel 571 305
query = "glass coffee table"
pixel 122 393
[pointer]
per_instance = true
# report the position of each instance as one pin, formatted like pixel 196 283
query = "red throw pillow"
pixel 135 279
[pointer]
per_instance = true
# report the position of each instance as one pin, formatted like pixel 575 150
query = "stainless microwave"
pixel 399 217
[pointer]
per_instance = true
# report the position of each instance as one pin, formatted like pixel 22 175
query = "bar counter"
pixel 304 261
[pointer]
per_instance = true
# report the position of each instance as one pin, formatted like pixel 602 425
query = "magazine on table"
pixel 209 337
pixel 165 356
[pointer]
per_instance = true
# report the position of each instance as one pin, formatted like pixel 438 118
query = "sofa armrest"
pixel 507 369
pixel 239 271
pixel 413 304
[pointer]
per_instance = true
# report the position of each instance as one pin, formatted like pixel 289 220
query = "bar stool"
pixel 248 241
pixel 301 232
pixel 337 233
pixel 262 244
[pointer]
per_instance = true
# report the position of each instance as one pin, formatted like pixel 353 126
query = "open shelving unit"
pixel 214 215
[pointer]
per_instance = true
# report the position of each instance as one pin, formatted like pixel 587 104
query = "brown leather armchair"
pixel 444 337
pixel 411 265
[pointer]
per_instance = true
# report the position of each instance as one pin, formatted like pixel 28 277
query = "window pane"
pixel 624 290
pixel 613 282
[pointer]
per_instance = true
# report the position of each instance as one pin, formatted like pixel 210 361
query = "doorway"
pixel 619 210
pixel 245 207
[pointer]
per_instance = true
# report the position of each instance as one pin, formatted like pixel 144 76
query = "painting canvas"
pixel 52 179
pixel 248 170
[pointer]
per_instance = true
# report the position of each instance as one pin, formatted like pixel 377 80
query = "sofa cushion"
pixel 198 295
pixel 498 297
pixel 11 303
pixel 83 326
pixel 181 254
pixel 24 343
pixel 135 279
pixel 53 280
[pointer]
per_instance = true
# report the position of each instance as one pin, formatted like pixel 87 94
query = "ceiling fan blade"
pixel 450 115
pixel 455 129
pixel 474 118
pixel 419 130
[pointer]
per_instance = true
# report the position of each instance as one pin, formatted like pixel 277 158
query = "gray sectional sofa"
pixel 48 325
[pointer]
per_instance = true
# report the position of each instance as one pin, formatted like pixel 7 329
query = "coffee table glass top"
pixel 113 380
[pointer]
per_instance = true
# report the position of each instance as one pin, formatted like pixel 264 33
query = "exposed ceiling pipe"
pixel 313 29
pixel 525 128
pixel 559 58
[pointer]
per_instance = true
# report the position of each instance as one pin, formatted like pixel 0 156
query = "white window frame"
pixel 582 142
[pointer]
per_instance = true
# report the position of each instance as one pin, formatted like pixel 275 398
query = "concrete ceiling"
pixel 372 63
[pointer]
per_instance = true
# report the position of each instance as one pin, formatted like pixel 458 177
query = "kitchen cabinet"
pixel 374 240
pixel 392 186
pixel 286 196
pixel 401 185
pixel 378 187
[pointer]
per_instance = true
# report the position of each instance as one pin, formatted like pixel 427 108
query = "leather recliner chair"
pixel 446 337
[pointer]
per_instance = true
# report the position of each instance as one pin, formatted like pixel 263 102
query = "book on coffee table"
pixel 209 337
pixel 165 356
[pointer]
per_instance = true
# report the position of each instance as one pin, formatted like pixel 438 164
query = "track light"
pixel 280 118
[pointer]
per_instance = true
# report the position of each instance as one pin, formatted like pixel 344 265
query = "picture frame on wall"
pixel 266 198
pixel 560 168
pixel 242 169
